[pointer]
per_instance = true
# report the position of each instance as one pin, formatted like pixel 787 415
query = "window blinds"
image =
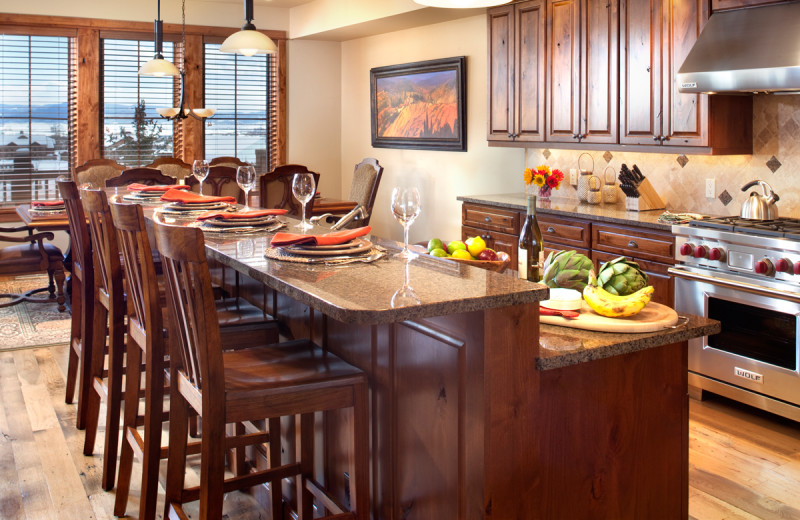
pixel 35 116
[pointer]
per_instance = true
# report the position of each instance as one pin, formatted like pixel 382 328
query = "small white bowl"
pixel 563 300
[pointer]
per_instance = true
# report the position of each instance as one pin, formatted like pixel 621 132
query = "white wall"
pixel 441 176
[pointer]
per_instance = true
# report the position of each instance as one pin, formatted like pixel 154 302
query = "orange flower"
pixel 528 176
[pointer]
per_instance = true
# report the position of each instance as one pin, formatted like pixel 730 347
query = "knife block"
pixel 647 200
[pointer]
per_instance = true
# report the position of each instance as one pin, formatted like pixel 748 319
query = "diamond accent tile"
pixel 546 154
pixel 682 160
pixel 607 156
pixel 725 198
pixel 773 164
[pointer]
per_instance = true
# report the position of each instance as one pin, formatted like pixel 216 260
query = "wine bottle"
pixel 530 253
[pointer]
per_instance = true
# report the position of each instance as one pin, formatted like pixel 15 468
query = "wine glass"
pixel 405 208
pixel 200 171
pixel 303 188
pixel 246 179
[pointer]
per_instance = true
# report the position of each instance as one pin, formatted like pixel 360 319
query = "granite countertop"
pixel 362 293
pixel 564 346
pixel 611 213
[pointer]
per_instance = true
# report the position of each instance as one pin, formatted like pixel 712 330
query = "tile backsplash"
pixel 680 180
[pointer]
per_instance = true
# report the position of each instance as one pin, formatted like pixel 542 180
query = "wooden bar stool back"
pixel 145 342
pixel 292 378
pixel 79 361
pixel 109 322
pixel 148 176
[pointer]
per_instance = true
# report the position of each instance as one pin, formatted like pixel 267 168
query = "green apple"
pixel 455 245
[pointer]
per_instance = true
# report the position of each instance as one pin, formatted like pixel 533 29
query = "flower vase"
pixel 545 192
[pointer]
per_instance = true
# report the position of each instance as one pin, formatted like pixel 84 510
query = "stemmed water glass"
pixel 246 179
pixel 200 171
pixel 303 188
pixel 405 208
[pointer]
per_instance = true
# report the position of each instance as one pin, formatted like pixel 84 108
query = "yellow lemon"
pixel 475 245
pixel 462 254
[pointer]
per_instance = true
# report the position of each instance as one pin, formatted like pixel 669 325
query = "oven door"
pixel 757 349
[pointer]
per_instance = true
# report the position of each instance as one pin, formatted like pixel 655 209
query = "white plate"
pixel 206 206
pixel 356 242
pixel 348 249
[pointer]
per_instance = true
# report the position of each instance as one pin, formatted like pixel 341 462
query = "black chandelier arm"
pixel 248 16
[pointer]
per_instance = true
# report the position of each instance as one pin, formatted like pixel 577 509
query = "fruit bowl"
pixel 497 266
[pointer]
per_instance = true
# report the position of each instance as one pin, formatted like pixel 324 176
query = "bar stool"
pixel 82 300
pixel 295 378
pixel 241 320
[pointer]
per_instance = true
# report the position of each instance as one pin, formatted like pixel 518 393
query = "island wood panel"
pixel 612 438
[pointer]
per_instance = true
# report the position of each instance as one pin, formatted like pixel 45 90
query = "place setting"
pixel 183 203
pixel 147 194
pixel 47 207
pixel 334 248
pixel 245 221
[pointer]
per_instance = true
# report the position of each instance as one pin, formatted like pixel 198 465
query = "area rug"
pixel 27 325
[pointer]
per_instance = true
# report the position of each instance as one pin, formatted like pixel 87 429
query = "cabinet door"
pixel 599 90
pixel 686 121
pixel 663 284
pixel 529 71
pixel 563 71
pixel 501 73
pixel 495 240
pixel 640 72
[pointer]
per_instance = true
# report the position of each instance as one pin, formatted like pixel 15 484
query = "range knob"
pixel 796 268
pixel 700 252
pixel 782 265
pixel 687 249
pixel 765 267
pixel 715 254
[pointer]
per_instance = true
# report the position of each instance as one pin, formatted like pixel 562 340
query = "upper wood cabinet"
pixel 610 79
pixel 582 71
pixel 516 72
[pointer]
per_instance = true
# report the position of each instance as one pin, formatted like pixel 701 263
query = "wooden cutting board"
pixel 654 316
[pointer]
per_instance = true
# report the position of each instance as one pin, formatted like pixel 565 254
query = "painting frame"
pixel 449 129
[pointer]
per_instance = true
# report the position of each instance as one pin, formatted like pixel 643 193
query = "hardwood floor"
pixel 744 464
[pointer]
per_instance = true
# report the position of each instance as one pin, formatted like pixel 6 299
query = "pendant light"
pixel 248 41
pixel 461 4
pixel 181 111
pixel 158 66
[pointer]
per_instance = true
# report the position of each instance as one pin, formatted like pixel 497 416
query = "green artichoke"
pixel 621 276
pixel 567 269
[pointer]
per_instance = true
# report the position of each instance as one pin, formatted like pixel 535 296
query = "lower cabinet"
pixel 652 249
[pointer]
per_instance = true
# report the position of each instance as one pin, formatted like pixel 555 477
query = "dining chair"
pixel 363 191
pixel 78 364
pixel 275 189
pixel 31 254
pixel 233 162
pixel 172 167
pixel 294 378
pixel 148 176
pixel 221 181
pixel 241 324
pixel 95 172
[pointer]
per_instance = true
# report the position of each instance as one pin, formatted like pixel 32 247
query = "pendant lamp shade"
pixel 159 67
pixel 461 4
pixel 248 41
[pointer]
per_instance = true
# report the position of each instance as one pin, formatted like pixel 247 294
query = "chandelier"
pixel 248 41
pixel 159 67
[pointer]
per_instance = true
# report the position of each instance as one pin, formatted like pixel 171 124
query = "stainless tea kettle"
pixel 760 207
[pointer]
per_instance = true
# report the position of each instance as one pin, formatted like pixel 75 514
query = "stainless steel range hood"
pixel 746 51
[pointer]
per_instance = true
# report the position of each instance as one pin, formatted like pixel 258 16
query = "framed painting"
pixel 420 105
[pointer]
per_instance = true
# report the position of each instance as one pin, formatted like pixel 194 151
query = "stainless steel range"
pixel 746 274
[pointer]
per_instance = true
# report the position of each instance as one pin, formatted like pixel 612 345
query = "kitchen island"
pixel 473 414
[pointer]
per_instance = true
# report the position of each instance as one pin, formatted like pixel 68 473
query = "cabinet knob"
pixel 656 138
pixel 487 219
pixel 633 244
pixel 486 236
pixel 575 136
pixel 664 138
pixel 550 229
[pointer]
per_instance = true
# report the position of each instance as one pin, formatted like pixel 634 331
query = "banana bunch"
pixel 614 306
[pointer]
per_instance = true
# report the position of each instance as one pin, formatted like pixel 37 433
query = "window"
pixel 133 132
pixel 244 92
pixel 36 104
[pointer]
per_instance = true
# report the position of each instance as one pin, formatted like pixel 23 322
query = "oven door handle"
pixel 740 286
